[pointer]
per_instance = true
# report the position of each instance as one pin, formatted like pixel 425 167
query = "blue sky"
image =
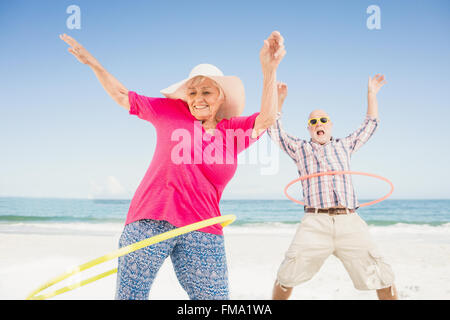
pixel 62 136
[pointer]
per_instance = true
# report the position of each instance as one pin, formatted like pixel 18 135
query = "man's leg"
pixel 310 247
pixel 389 293
pixel 281 292
pixel 361 258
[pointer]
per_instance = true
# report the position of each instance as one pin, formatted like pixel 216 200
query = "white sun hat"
pixel 232 87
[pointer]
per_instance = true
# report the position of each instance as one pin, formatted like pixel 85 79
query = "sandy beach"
pixel 418 254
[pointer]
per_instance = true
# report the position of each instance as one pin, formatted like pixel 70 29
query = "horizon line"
pixel 241 198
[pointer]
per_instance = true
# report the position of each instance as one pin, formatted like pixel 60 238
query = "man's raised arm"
pixel 374 86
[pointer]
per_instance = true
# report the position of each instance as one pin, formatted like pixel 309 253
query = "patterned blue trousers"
pixel 198 258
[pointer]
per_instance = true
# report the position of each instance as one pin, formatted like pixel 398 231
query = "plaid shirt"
pixel 311 157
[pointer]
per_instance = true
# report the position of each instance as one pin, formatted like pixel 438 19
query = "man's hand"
pixel 374 86
pixel 376 83
pixel 78 50
pixel 282 90
pixel 272 52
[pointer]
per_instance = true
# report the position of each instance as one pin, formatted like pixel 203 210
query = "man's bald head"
pixel 318 113
pixel 321 132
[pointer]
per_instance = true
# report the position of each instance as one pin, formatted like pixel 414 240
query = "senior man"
pixel 330 224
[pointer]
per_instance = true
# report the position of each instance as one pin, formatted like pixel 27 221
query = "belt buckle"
pixel 330 211
pixel 338 211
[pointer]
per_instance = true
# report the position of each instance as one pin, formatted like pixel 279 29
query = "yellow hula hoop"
pixel 223 220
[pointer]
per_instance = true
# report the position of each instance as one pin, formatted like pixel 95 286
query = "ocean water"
pixel 48 215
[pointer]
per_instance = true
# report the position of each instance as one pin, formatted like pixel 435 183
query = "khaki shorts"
pixel 347 237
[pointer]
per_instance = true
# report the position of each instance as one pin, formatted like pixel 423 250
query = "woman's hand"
pixel 78 50
pixel 112 86
pixel 376 83
pixel 272 52
pixel 270 55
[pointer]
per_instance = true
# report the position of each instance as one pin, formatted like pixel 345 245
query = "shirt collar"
pixel 321 145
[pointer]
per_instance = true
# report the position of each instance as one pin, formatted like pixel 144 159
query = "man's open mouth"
pixel 320 132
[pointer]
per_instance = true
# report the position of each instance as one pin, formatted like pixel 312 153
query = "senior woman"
pixel 185 180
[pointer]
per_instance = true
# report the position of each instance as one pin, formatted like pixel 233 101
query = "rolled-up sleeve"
pixel 286 142
pixel 359 137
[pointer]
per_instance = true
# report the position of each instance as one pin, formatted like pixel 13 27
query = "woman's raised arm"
pixel 270 55
pixel 113 87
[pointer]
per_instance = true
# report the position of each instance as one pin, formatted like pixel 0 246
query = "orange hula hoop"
pixel 331 173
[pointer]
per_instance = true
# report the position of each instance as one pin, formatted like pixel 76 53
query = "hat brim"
pixel 232 87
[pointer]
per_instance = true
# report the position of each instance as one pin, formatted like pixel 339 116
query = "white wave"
pixel 398 228
pixel 412 228
pixel 261 228
pixel 78 228
pixel 111 228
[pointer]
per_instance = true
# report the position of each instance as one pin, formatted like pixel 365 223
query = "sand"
pixel 419 255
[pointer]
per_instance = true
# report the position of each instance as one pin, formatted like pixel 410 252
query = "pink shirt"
pixel 190 168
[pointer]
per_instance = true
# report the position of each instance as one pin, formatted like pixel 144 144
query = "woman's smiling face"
pixel 204 98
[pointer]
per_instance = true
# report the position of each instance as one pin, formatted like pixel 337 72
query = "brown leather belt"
pixel 330 211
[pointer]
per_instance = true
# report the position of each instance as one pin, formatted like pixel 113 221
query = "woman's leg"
pixel 200 264
pixel 137 270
